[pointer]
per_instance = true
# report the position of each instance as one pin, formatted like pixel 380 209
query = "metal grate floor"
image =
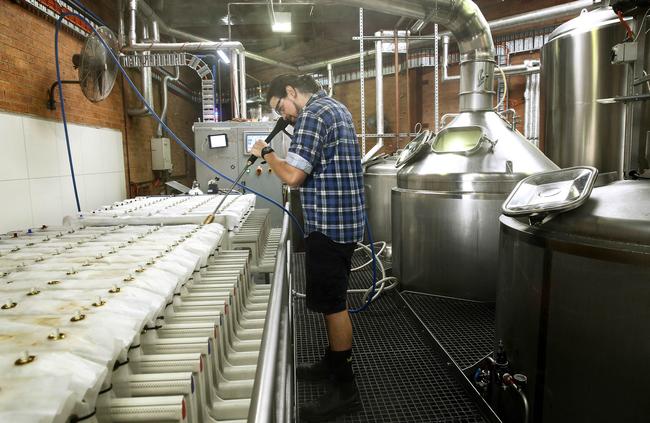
pixel 465 329
pixel 400 375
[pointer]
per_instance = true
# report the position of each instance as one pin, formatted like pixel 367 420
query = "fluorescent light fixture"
pixel 223 56
pixel 282 22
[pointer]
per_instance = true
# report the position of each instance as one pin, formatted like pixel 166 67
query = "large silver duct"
pixel 466 22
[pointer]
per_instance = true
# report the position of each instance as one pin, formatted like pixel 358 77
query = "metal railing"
pixel 272 391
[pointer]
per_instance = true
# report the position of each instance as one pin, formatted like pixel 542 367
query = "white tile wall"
pixel 35 180
pixel 45 197
pixel 13 159
pixel 76 134
pixel 16 213
pixel 40 140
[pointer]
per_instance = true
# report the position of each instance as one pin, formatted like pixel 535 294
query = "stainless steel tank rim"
pixel 607 250
pixel 482 91
pixel 454 194
pixel 586 28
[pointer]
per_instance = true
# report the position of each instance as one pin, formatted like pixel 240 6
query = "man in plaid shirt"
pixel 325 162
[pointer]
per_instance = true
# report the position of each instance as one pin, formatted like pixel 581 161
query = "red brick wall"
pixel 27 70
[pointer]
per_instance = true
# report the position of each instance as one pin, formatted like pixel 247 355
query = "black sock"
pixel 341 365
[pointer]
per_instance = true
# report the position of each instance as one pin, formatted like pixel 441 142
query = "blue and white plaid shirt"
pixel 325 147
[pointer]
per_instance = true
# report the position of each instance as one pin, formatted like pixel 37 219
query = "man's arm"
pixel 290 175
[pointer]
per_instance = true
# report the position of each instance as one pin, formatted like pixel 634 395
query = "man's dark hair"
pixel 303 83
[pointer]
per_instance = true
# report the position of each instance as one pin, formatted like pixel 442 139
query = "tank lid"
pixel 413 148
pixel 551 192
pixel 382 165
pixel 585 22
pixel 618 212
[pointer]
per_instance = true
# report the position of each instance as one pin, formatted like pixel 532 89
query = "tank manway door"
pixel 551 192
pixel 461 140
pixel 413 148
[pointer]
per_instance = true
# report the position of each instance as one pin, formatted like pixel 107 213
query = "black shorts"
pixel 328 265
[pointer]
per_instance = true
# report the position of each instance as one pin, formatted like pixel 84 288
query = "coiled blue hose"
pixel 179 142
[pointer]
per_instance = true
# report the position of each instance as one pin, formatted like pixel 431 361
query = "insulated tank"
pixel 446 206
pixel 573 307
pixel 576 72
pixel 380 176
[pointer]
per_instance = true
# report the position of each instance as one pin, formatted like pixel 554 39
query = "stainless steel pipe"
pixel 472 32
pixel 146 72
pixel 242 84
pixel 330 80
pixel 234 84
pixel 165 97
pixel 379 101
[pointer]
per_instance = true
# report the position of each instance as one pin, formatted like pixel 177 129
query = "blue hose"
pixel 65 122
pixel 182 145
pixel 153 113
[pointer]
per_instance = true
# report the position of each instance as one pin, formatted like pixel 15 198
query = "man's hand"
pixel 256 149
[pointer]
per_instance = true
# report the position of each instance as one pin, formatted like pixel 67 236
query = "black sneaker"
pixel 339 399
pixel 314 372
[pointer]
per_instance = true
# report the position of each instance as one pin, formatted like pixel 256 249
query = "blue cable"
pixel 153 113
pixel 183 146
pixel 63 117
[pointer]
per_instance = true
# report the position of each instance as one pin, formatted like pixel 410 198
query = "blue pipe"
pixel 149 108
pixel 61 99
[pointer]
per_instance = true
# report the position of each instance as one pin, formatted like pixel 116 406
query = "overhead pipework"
pixel 150 47
pixel 537 16
pixel 471 31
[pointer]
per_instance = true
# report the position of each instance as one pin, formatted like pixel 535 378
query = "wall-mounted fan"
pixel 97 70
